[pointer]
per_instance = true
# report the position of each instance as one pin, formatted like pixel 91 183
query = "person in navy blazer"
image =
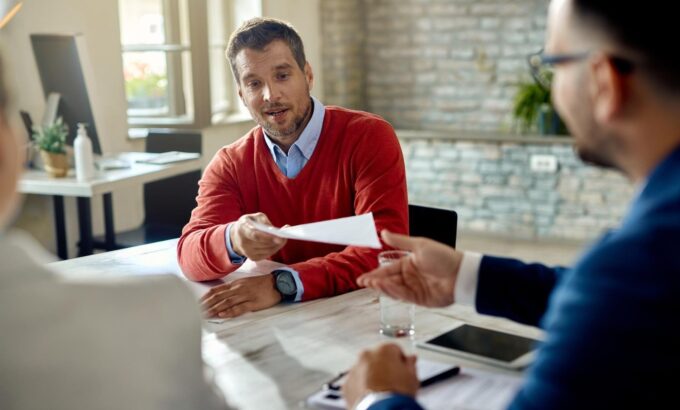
pixel 612 321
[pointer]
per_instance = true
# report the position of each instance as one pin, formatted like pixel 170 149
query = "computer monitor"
pixel 59 65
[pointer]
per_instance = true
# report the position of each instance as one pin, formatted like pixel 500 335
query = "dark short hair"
pixel 648 30
pixel 257 33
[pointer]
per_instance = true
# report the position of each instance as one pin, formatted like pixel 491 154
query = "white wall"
pixel 98 21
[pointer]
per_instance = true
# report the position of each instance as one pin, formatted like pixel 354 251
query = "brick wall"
pixel 453 65
pixel 343 34
pixel 491 186
pixel 431 64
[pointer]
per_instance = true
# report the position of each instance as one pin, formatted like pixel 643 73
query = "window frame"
pixel 187 33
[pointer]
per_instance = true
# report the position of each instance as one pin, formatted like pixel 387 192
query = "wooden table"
pixel 275 358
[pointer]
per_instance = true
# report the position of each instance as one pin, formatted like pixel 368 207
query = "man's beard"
pixel 598 146
pixel 595 157
pixel 297 124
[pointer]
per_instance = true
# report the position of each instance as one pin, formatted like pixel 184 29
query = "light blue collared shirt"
pixel 290 165
pixel 301 151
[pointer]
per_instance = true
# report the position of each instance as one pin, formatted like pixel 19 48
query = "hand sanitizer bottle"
pixel 82 147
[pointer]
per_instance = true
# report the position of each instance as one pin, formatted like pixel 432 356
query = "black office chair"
pixel 167 203
pixel 434 223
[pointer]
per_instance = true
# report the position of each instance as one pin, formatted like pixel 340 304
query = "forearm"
pixel 335 273
pixel 202 254
pixel 515 290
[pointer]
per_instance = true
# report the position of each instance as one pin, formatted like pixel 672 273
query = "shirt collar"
pixel 309 137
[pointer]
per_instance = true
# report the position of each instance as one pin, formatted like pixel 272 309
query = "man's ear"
pixel 309 75
pixel 609 89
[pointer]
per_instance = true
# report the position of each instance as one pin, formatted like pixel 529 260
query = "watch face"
pixel 285 283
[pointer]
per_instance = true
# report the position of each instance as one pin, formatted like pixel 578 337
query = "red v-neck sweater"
pixel 357 167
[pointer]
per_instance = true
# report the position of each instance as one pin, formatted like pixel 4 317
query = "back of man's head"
pixel 647 31
pixel 257 33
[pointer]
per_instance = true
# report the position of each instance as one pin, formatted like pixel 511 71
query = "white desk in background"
pixel 275 358
pixel 104 183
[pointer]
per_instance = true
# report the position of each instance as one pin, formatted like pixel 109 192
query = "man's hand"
pixel 426 277
pixel 383 369
pixel 251 243
pixel 240 296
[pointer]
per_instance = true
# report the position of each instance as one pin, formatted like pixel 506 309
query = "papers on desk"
pixel 471 389
pixel 105 164
pixel 169 157
pixel 353 230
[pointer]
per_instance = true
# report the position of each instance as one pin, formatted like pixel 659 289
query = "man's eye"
pixel 253 84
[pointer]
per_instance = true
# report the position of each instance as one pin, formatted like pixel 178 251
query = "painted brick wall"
pixel 452 65
pixel 491 186
pixel 430 64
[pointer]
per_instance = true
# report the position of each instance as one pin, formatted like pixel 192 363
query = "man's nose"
pixel 271 93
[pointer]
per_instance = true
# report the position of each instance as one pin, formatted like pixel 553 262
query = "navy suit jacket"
pixel 612 321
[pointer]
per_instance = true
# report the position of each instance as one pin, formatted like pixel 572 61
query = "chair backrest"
pixel 434 223
pixel 169 202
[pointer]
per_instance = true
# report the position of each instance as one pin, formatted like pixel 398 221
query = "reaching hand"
pixel 240 296
pixel 251 243
pixel 426 277
pixel 383 369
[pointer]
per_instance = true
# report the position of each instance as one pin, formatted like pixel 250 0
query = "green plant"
pixel 51 138
pixel 530 100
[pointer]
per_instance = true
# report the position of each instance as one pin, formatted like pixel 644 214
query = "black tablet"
pixel 485 345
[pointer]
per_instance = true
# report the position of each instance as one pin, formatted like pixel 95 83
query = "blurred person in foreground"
pixel 129 343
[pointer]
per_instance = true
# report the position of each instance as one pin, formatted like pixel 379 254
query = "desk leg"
pixel 60 226
pixel 86 244
pixel 110 230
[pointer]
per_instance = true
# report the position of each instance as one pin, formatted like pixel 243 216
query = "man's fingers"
pixel 397 291
pixel 399 241
pixel 214 294
pixel 264 238
pixel 383 272
pixel 391 350
pixel 234 311
pixel 226 304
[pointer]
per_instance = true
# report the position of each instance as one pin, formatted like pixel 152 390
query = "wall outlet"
pixel 544 163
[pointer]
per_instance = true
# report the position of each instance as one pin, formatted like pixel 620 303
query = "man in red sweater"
pixel 303 163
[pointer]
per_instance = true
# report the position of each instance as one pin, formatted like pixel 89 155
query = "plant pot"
pixel 549 122
pixel 56 165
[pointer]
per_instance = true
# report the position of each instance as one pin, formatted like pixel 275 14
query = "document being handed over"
pixel 353 230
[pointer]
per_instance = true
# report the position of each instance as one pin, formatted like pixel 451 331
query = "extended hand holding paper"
pixel 353 230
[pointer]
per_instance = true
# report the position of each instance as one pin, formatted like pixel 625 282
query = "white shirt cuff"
pixel 465 291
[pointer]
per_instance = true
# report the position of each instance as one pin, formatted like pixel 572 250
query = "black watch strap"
pixel 285 284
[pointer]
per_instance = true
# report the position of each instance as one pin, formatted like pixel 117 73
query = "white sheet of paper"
pixel 472 389
pixel 356 230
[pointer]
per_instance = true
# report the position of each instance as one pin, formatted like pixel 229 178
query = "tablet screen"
pixel 484 342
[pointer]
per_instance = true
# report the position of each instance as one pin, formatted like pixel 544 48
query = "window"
pixel 174 65
pixel 224 17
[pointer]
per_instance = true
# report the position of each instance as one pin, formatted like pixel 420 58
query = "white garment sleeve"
pixel 465 290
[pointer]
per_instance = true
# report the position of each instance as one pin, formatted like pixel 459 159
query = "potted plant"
pixel 534 112
pixel 51 141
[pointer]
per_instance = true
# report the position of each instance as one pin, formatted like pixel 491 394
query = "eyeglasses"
pixel 542 65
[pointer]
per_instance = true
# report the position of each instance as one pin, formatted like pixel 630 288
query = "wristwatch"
pixel 285 284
